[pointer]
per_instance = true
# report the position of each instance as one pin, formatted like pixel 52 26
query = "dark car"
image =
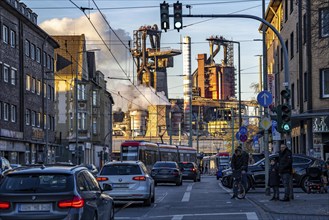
pixel 53 192
pixel 190 171
pixel 256 171
pixel 166 172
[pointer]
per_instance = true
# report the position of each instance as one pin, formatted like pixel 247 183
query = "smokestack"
pixel 187 86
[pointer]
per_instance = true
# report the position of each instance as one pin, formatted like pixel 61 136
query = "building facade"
pixel 27 131
pixel 304 26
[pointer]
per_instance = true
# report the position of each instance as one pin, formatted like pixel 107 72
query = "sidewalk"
pixel 304 206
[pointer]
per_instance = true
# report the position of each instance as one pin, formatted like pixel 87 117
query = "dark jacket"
pixel 285 161
pixel 240 162
pixel 274 178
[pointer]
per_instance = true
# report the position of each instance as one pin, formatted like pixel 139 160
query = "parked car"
pixel 167 172
pixel 256 171
pixel 4 166
pixel 54 192
pixel 190 171
pixel 15 165
pixel 130 180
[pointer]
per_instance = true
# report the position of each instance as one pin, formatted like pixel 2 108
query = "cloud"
pixel 114 63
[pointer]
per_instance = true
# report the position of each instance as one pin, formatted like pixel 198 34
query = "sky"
pixel 121 17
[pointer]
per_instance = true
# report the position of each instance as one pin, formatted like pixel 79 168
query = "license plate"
pixel 33 207
pixel 119 185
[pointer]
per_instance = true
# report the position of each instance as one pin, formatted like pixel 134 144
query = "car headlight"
pixel 227 172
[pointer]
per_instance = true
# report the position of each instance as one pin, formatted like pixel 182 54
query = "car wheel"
pixel 199 179
pixel 153 197
pixel 155 183
pixel 148 201
pixel 112 213
pixel 304 184
pixel 195 179
pixel 217 177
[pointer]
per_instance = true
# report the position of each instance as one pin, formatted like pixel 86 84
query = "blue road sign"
pixel 237 135
pixel 243 130
pixel 264 98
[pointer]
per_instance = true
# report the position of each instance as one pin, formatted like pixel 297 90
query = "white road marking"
pixel 249 215
pixel 177 217
pixel 187 194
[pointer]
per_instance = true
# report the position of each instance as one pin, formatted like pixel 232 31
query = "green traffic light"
pixel 286 127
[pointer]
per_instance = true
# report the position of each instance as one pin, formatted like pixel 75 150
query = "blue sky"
pixel 125 16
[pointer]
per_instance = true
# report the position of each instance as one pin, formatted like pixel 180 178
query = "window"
pixel 32 51
pixel 38 119
pixel 81 92
pixel 13 76
pixel 94 98
pixel 33 85
pixel 44 121
pixel 292 45
pixel 44 59
pixel 5 34
pixel 38 88
pixel 48 61
pixel 12 38
pixel 304 28
pixel 324 23
pixel 305 86
pixel 28 82
pixel 0 110
pixel 293 96
pixel 82 121
pixel 13 113
pixel 71 120
pixel 49 123
pixel 49 92
pixel 33 118
pixel 297 37
pixel 27 48
pixel 324 83
pixel 27 117
pixel 94 125
pixel 5 73
pixel 44 90
pixel 38 55
pixel 5 111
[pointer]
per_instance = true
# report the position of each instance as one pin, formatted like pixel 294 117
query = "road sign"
pixel 237 135
pixel 243 137
pixel 266 123
pixel 264 98
pixel 243 130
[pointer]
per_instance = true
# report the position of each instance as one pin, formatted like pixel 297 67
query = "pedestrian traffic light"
pixel 285 93
pixel 286 118
pixel 278 117
pixel 164 15
pixel 178 19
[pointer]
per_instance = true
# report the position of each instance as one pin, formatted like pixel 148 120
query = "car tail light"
pixel 4 205
pixel 76 202
pixel 101 179
pixel 175 173
pixel 193 169
pixel 139 178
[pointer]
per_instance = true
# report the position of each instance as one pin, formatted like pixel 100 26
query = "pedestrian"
pixel 274 179
pixel 285 170
pixel 206 169
pixel 240 160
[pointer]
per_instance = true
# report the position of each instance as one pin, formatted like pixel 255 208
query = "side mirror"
pixel 107 187
pixel 6 168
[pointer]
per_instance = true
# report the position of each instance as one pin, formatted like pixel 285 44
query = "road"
pixel 192 201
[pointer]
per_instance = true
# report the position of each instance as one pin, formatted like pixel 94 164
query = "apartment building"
pixel 27 131
pixel 304 26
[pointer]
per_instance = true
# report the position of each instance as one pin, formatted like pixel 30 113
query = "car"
pixel 167 172
pixel 15 165
pixel 190 171
pixel 4 166
pixel 54 192
pixel 130 180
pixel 92 168
pixel 256 171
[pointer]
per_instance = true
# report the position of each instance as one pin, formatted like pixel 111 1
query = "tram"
pixel 149 152
pixel 215 164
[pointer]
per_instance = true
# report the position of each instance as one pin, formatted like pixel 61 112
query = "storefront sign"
pixel 321 124
pixel 37 133
pixel 12 134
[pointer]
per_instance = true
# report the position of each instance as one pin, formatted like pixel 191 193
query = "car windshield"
pixel 186 165
pixel 170 165
pixel 121 169
pixel 41 183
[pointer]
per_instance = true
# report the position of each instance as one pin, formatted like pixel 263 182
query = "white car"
pixel 130 180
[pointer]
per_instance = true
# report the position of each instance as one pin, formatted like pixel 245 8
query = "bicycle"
pixel 238 188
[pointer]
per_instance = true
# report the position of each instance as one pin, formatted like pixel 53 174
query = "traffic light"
pixel 178 19
pixel 285 93
pixel 286 118
pixel 164 15
pixel 277 117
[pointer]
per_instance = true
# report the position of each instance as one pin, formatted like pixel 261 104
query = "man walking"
pixel 285 170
